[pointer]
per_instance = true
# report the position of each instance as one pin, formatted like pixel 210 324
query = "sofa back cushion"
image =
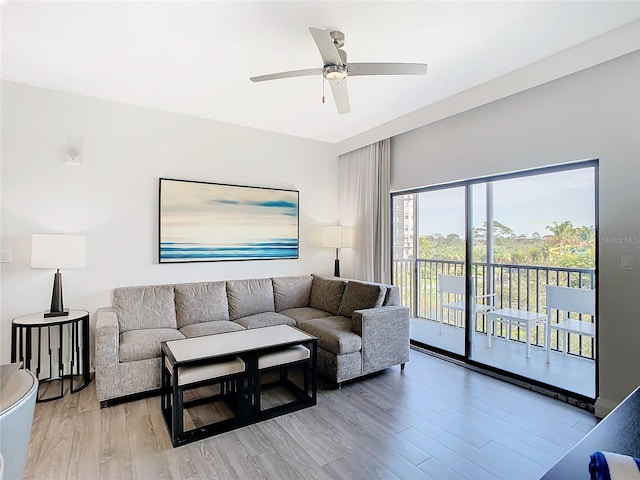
pixel 392 296
pixel 248 297
pixel 391 293
pixel 201 302
pixel 145 307
pixel 358 296
pixel 326 293
pixel 291 292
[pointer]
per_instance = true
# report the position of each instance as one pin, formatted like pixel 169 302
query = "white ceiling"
pixel 196 57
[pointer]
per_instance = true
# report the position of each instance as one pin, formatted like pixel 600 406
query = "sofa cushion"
pixel 358 296
pixel 392 297
pixel 201 302
pixel 305 313
pixel 334 334
pixel 141 308
pixel 248 297
pixel 145 344
pixel 265 319
pixel 326 293
pixel 210 328
pixel 291 292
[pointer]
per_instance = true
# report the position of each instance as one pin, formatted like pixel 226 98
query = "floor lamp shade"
pixel 336 236
pixel 58 251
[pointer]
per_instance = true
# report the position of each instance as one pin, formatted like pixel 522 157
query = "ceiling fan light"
pixel 334 73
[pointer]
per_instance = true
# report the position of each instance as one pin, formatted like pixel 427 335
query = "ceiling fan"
pixel 336 69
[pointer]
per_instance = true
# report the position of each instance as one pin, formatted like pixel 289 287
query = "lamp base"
pixel 336 268
pixel 57 306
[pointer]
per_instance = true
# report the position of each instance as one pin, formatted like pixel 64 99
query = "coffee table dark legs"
pixel 244 389
pixel 305 397
pixel 173 405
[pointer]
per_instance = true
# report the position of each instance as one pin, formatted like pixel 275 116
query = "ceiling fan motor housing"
pixel 336 73
pixel 338 38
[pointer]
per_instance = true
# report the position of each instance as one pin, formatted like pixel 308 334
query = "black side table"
pixel 74 327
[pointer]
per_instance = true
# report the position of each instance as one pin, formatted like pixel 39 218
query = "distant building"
pixel 404 211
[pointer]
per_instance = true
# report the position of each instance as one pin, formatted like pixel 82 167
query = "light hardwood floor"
pixel 435 420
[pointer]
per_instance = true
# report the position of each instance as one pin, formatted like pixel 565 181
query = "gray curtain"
pixel 364 204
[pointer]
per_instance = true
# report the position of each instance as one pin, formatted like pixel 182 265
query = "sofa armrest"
pixel 107 343
pixel 385 336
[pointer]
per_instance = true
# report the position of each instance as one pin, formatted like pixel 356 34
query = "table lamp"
pixel 58 251
pixel 336 236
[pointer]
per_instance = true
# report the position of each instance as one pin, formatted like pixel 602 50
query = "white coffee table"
pixel 247 345
pixel 513 316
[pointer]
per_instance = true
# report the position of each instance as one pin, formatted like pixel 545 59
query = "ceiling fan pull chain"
pixel 323 89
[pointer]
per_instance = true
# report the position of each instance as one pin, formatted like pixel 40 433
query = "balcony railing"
pixel 515 286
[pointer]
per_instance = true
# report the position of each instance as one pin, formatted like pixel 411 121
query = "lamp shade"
pixel 52 250
pixel 336 236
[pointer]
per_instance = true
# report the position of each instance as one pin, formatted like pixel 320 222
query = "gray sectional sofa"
pixel 361 327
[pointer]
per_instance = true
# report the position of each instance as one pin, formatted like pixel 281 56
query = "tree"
pixel 499 231
pixel 502 231
pixel 479 234
pixel 424 247
pixel 565 246
pixel 586 236
pixel 561 234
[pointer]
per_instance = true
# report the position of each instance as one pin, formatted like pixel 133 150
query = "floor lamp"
pixel 336 236
pixel 58 251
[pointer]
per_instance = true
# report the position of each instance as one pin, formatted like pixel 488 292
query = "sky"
pixel 526 205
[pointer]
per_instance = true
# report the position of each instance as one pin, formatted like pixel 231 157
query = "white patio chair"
pixel 452 287
pixel 568 300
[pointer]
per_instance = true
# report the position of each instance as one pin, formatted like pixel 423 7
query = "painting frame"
pixel 214 222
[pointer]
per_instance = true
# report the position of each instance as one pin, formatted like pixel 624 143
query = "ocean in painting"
pixel 192 252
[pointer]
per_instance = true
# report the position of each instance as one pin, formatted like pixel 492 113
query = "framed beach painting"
pixel 208 222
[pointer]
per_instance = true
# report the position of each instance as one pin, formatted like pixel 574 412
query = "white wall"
pixel 593 52
pixel 113 196
pixel 591 114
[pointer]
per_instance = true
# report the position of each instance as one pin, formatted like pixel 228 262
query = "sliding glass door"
pixel 475 262
pixel 429 253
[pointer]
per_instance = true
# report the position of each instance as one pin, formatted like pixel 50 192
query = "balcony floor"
pixel 568 372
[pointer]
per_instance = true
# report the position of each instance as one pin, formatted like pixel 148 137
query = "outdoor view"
pixel 563 244
pixel 526 233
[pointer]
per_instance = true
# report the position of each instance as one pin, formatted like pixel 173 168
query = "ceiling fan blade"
pixel 387 68
pixel 328 50
pixel 293 73
pixel 340 96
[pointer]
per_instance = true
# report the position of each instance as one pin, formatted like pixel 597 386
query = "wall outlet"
pixel 6 256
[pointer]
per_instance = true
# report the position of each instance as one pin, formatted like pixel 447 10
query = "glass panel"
pixel 530 232
pixel 429 243
pixel 403 245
